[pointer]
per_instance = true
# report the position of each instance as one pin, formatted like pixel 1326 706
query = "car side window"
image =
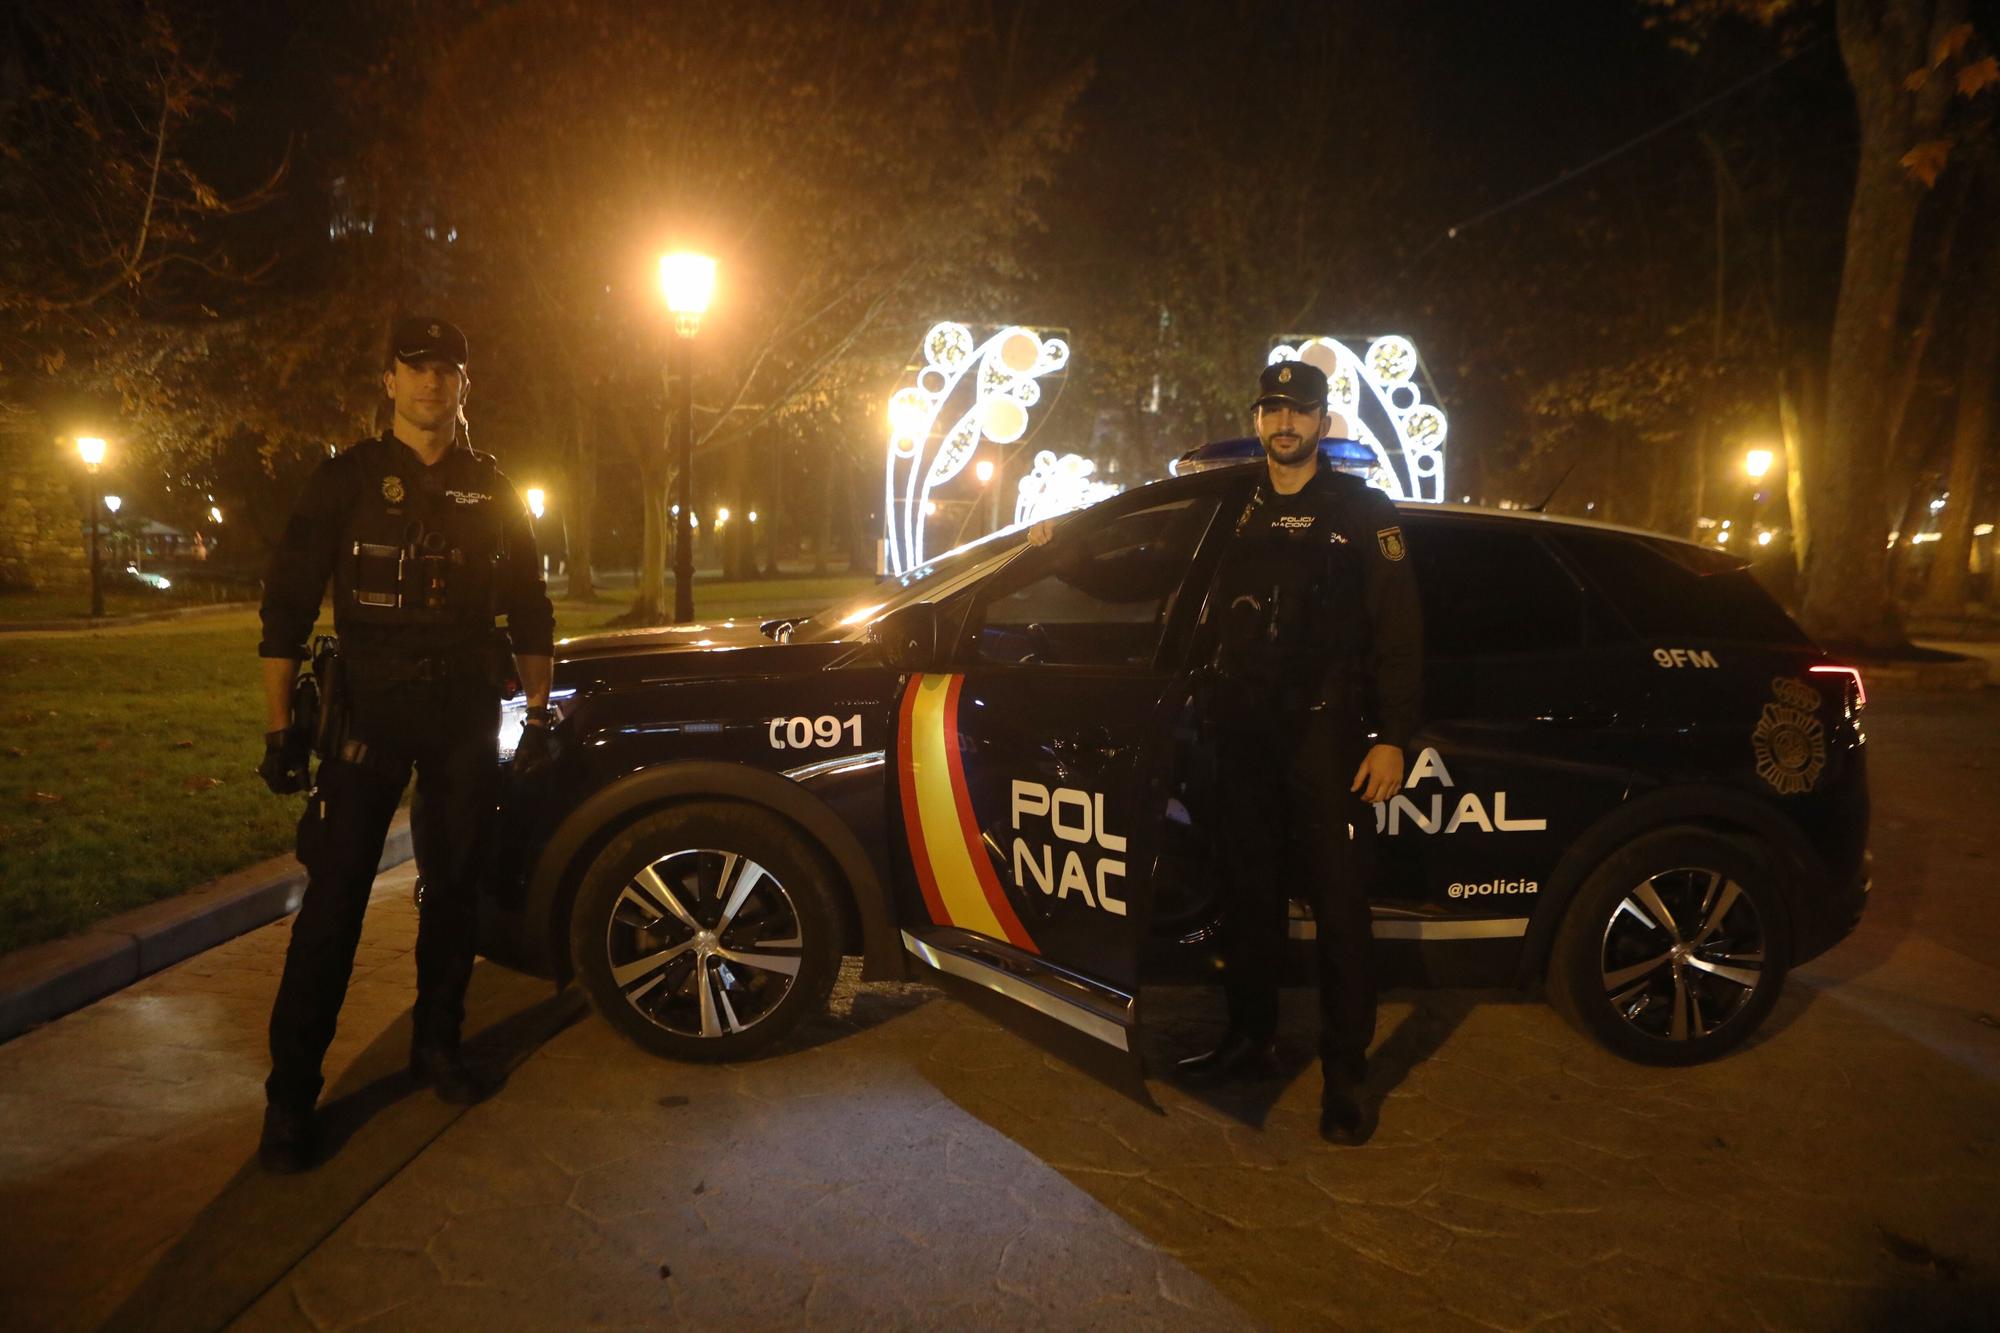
pixel 1098 595
pixel 1487 592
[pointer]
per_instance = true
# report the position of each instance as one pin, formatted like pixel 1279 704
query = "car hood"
pixel 702 650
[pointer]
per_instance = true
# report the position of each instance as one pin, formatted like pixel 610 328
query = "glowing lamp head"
pixel 1764 537
pixel 983 470
pixel 1757 462
pixel 688 282
pixel 90 449
pixel 112 502
pixel 721 516
pixel 537 500
pixel 215 513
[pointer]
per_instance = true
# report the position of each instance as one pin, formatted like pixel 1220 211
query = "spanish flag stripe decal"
pixel 975 846
pixel 937 811
pixel 913 822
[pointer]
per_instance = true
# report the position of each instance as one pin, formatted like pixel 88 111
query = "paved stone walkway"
pixel 909 1164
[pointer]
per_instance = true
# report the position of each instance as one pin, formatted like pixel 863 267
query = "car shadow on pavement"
pixel 252 1233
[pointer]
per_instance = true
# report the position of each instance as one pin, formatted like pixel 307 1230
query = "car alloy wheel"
pixel 707 931
pixel 703 942
pixel 1682 954
pixel 1675 948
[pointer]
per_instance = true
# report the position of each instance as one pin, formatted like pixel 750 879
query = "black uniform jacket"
pixel 1319 603
pixel 422 559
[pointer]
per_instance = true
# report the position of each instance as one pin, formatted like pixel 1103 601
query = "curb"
pixel 80 624
pixel 1961 673
pixel 46 981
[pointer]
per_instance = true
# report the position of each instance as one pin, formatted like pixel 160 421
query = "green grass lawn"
pixel 128 754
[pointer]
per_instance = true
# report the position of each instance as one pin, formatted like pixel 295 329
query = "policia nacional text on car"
pixel 425 542
pixel 1320 642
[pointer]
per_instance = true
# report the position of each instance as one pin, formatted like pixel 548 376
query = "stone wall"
pixel 41 520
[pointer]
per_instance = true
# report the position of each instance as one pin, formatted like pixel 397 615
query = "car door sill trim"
pixel 1098 1011
pixel 1403 928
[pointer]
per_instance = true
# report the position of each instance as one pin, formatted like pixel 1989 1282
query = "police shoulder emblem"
pixel 392 489
pixel 1789 742
pixel 1391 542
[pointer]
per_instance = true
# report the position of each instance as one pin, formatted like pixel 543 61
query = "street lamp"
pixel 1757 462
pixel 91 450
pixel 537 501
pixel 688 282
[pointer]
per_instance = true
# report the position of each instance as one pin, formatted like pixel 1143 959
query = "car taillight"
pixel 1857 694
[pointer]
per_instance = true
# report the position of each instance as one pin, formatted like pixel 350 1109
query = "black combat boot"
pixel 1346 1115
pixel 1238 1057
pixel 291 1139
pixel 443 1068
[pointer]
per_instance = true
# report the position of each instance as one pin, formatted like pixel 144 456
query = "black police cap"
pixel 1299 383
pixel 424 338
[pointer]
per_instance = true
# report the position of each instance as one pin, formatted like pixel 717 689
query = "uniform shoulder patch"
pixel 1391 542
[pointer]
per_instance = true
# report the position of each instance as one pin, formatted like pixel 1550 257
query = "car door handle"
pixel 1576 717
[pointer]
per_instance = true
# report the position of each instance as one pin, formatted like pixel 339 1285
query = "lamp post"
pixel 91 450
pixel 688 281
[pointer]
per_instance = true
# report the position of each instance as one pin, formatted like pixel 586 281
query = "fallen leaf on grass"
pixel 45 797
pixel 184 745
pixel 16 752
pixel 201 784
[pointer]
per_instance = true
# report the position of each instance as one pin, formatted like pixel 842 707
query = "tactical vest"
pixel 418 549
pixel 1292 607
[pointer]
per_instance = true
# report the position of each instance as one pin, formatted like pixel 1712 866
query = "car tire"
pixel 653 929
pixel 1674 949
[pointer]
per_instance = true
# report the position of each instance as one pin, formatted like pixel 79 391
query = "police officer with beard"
pixel 425 543
pixel 1320 665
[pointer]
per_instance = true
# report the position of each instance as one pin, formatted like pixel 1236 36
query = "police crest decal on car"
pixel 1789 742
pixel 1391 542
pixel 392 490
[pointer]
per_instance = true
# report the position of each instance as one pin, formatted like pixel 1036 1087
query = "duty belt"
pixel 411 670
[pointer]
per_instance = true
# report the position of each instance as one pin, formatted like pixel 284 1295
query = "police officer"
pixel 1319 643
pixel 425 542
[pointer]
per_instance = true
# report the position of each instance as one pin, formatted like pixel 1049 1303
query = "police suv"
pixel 1639 789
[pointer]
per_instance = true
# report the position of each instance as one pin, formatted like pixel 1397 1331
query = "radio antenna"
pixel 1536 509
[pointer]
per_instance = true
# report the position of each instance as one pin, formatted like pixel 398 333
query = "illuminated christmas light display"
pixel 924 454
pixel 1375 392
pixel 1058 485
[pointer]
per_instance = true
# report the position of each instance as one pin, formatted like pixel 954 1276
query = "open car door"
pixel 1031 775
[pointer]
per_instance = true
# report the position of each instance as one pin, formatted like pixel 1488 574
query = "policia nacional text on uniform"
pixel 1320 643
pixel 425 543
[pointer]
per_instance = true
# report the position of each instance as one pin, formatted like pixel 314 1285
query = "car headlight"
pixel 514 716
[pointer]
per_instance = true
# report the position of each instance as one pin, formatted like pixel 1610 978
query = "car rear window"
pixel 1667 589
pixel 1492 591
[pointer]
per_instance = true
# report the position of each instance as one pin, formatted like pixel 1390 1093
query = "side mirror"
pixel 908 637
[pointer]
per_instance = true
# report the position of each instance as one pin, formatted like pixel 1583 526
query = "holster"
pixel 333 711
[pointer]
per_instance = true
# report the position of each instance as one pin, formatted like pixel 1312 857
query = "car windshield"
pixel 927 582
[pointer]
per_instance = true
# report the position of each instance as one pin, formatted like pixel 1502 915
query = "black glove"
pixel 286 756
pixel 534 751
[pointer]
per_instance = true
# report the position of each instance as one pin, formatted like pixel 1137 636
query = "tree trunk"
pixel 1847 592
pixel 735 533
pixel 773 504
pixel 860 537
pixel 1800 397
pixel 650 604
pixel 1945 586
pixel 580 514
pixel 829 474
